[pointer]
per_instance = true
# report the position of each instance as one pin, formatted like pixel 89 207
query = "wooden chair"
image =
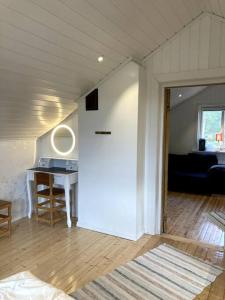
pixel 53 204
pixel 5 219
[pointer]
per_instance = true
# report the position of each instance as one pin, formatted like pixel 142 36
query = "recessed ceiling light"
pixel 100 59
pixel 180 95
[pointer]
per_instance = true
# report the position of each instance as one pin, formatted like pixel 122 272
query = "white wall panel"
pixel 183 53
pixel 204 42
pixel 166 57
pixel 174 62
pixel 107 187
pixel 215 43
pixel 198 46
pixel 194 46
pixel 222 57
pixel 157 61
pixel 16 156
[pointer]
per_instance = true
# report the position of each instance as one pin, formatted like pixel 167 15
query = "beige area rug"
pixel 163 273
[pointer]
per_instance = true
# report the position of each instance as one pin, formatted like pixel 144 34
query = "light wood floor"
pixel 69 258
pixel 187 217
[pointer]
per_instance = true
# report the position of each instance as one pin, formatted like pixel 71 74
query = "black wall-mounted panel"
pixel 92 100
pixel 102 132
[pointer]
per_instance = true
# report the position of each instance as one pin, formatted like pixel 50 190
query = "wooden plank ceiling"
pixel 49 51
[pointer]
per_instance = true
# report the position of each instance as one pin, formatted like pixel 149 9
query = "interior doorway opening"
pixel 194 161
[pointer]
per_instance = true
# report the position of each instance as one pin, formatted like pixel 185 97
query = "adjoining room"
pixel 196 163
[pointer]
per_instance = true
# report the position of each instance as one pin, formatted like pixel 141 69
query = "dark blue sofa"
pixel 217 179
pixel 191 173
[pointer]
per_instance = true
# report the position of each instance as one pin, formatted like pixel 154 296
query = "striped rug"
pixel 162 273
pixel 217 218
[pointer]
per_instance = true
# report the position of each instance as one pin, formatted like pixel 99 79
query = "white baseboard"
pixel 128 236
pixel 18 217
pixel 139 235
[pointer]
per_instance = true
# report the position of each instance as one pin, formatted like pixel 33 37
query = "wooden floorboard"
pixel 187 217
pixel 69 258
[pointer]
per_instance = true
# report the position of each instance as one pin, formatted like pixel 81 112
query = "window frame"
pixel 203 108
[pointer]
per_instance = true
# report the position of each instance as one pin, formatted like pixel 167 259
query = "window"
pixel 212 124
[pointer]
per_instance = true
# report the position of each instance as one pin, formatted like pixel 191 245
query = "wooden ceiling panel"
pixel 35 84
pixel 125 23
pixel 33 71
pixel 49 51
pixel 145 25
pixel 62 52
pixel 50 34
pixel 63 62
pixel 48 21
pixel 98 20
pixel 81 25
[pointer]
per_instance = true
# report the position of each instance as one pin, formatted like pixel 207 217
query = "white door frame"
pixel 156 84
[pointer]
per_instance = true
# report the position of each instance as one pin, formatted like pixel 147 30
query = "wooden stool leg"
pixel 51 212
pixel 5 218
pixel 37 209
pixel 10 219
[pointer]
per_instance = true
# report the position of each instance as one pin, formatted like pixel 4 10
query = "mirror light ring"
pixel 53 142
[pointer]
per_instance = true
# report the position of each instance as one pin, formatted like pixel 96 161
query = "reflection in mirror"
pixel 63 139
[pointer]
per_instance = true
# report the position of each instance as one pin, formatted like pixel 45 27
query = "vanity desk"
pixel 65 174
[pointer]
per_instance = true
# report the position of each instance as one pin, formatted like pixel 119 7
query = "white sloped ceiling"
pixel 181 94
pixel 49 51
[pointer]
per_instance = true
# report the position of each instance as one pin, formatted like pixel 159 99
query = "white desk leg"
pixel 29 194
pixel 67 198
pixel 73 200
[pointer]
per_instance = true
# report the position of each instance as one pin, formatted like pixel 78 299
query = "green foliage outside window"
pixel 211 125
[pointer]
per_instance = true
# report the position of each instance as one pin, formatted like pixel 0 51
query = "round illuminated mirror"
pixel 63 140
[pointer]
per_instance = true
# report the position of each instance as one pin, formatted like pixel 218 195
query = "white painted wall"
pixel 44 147
pixel 16 156
pixel 107 200
pixel 142 101
pixel 196 55
pixel 184 118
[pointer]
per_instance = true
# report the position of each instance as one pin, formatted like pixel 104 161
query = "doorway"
pixel 192 181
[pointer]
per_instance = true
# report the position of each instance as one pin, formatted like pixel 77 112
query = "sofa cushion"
pixel 201 162
pixel 194 175
pixel 190 173
pixel 217 168
pixel 217 179
pixel 178 162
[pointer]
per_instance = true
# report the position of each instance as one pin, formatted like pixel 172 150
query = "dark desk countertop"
pixel 53 170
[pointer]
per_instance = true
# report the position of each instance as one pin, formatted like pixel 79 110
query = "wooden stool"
pixel 5 229
pixel 52 204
